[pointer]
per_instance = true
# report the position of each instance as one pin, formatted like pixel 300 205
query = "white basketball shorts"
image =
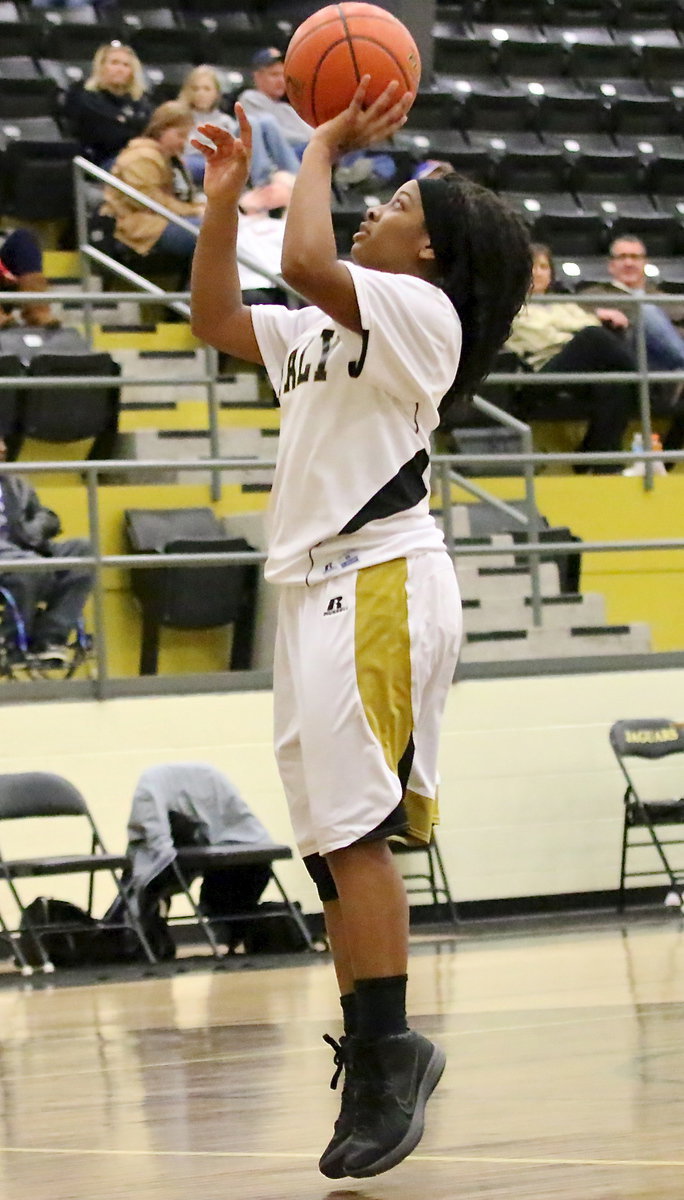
pixel 363 664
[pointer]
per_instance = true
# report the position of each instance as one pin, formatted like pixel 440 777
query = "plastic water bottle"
pixel 659 467
pixel 637 447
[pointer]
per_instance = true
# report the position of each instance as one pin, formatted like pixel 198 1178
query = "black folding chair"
pixel 39 795
pixel 191 597
pixel 432 880
pixel 193 861
pixel 650 739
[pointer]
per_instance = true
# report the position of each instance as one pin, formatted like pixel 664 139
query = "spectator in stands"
pixel 627 268
pixel 21 269
pixel 50 603
pixel 268 98
pixel 154 165
pixel 563 337
pixel 111 107
pixel 274 162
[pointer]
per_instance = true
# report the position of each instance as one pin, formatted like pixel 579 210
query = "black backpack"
pixel 278 934
pixel 71 937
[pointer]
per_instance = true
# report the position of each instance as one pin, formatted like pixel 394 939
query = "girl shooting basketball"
pixel 369 613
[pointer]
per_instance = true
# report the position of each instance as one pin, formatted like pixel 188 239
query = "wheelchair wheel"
pixel 77 654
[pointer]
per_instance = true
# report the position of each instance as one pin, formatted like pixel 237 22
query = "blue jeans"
pixel 178 242
pixel 59 4
pixel 270 152
pixel 664 343
pixel 21 253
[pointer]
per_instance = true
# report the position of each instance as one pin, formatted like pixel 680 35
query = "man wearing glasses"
pixel 627 268
pixel 663 331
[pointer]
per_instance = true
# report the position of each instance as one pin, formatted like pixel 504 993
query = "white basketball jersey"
pixel 351 486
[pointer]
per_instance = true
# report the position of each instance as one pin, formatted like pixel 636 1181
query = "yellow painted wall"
pixel 638 586
pixel 200 650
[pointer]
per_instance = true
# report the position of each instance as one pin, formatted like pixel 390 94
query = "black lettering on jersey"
pixel 327 336
pixel 296 371
pixel 355 368
pixel 291 377
pixel 303 372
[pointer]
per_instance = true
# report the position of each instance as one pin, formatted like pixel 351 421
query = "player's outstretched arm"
pixel 218 315
pixel 309 263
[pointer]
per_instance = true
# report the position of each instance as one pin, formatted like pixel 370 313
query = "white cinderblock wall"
pixel 530 797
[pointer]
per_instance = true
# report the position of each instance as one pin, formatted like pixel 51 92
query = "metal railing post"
pixel 532 530
pixel 211 360
pixel 445 493
pixel 644 394
pixel 99 636
pixel 81 207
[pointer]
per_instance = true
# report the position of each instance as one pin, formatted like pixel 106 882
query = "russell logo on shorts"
pixel 335 605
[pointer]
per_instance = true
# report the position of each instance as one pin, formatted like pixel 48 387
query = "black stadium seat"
pixel 462 53
pixel 647 114
pixel 530 57
pixel 595 162
pixel 541 168
pixel 660 231
pixel 578 113
pixel 133 18
pixel 27 97
pixel 168 45
pixel 36 172
pixel 492 103
pixel 18 36
pixel 601 61
pixel 69 42
pixel 434 109
pixel 567 234
pixel 166 79
pixel 662 62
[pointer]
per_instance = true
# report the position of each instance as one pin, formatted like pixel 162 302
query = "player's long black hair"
pixel 484 261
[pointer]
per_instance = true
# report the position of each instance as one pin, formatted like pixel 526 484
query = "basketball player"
pixel 369 618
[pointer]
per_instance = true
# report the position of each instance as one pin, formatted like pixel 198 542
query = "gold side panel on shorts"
pixel 383 673
pixel 422 813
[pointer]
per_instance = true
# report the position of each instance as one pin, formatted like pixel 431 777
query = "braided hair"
pixel 484 264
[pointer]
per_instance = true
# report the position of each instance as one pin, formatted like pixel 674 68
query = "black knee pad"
pixel 321 874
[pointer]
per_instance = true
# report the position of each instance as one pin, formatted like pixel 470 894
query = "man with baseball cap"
pixel 268 98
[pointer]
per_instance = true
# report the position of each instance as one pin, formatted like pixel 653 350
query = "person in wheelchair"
pixel 49 603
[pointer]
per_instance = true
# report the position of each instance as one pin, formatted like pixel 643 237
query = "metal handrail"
pixel 100 562
pixel 83 169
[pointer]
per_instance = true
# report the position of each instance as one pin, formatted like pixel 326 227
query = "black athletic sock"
pixel 349 1009
pixel 381 1006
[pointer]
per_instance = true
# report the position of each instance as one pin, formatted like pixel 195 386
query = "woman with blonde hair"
pixel 111 106
pixel 274 162
pixel 153 164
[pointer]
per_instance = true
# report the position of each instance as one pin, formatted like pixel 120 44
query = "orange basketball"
pixel 330 52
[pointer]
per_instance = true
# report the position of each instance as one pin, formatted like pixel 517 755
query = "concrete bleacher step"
pixel 578 641
pixel 460 524
pixel 478 582
pixel 182 366
pixel 503 540
pixel 193 446
pixel 558 612
pixel 183 415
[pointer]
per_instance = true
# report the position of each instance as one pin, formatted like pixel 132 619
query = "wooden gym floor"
pixel 565 1078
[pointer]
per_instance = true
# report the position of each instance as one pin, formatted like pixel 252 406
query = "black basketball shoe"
pixel 331 1162
pixel 393 1080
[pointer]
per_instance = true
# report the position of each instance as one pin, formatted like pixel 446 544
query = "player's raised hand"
pixel 227 159
pixel 358 127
